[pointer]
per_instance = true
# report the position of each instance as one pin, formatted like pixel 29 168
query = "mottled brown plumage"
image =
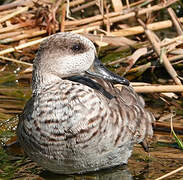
pixel 76 121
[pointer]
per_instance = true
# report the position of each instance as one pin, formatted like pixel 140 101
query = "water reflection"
pixel 118 173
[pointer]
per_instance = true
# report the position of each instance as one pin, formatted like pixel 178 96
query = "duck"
pixel 76 120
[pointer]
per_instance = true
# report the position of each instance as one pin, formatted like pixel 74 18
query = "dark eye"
pixel 77 47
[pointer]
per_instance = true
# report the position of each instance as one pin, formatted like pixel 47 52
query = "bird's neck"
pixel 42 80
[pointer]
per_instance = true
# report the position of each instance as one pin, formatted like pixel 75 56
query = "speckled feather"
pixel 68 127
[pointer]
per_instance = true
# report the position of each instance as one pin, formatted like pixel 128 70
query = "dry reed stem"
pixel 14 60
pixel 62 24
pixel 155 88
pixel 26 34
pixel 35 32
pixel 130 31
pixel 173 40
pixel 76 2
pixel 55 8
pixel 175 58
pixel 170 68
pixel 119 17
pixel 140 68
pixel 15 13
pixel 140 2
pixel 112 14
pixel 117 5
pixel 31 43
pixel 120 41
pixel 87 20
pixel 86 30
pixel 25 45
pixel 108 25
pixel 135 4
pixel 124 32
pixel 84 6
pixel 156 46
pixel 165 126
pixel 142 11
pixel 14 4
pixel 139 29
pixel 100 4
pixel 134 57
pixel 175 21
pixel 128 4
pixel 10 34
pixel 124 59
pixel 160 88
pixel 14 27
pixel 2 13
pixel 70 28
pixel 170 173
pixel 139 84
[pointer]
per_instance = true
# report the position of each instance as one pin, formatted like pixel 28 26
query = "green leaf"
pixel 178 140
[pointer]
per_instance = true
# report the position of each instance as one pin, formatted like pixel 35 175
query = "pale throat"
pixel 49 78
pixel 43 80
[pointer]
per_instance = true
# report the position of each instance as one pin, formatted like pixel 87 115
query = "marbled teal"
pixel 76 120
